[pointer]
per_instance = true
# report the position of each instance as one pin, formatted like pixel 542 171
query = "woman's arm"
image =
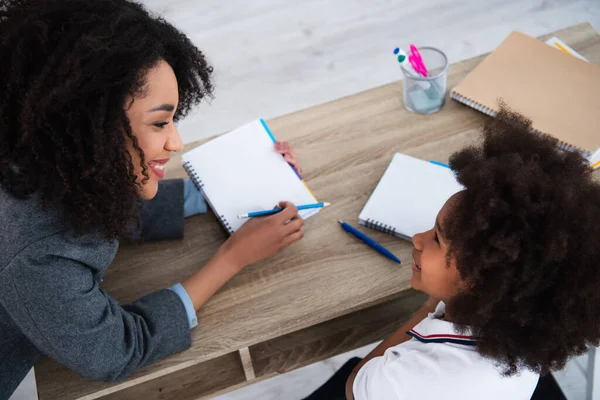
pixel 257 239
pixel 51 293
pixel 162 217
pixel 395 339
pixel 50 290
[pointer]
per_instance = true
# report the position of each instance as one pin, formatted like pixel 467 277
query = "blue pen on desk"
pixel 277 210
pixel 369 242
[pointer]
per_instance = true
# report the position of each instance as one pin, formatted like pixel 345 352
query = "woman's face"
pixel 151 119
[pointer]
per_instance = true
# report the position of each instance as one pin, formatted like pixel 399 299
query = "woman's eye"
pixel 435 237
pixel 161 124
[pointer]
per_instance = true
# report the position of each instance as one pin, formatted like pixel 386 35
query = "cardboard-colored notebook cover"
pixel 558 92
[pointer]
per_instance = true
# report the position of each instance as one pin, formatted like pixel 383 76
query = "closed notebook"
pixel 240 172
pixel 559 92
pixel 408 197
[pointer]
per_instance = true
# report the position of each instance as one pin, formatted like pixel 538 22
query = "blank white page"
pixel 240 172
pixel 409 196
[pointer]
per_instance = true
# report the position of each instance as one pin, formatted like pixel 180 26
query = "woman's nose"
pixel 174 142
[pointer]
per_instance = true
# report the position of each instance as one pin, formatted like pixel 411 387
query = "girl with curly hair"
pixel 89 94
pixel 511 268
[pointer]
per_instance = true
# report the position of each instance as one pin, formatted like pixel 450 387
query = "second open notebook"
pixel 408 197
pixel 240 172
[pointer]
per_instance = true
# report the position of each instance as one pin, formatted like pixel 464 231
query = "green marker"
pixel 403 59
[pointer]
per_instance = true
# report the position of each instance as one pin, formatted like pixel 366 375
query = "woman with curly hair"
pixel 90 92
pixel 511 268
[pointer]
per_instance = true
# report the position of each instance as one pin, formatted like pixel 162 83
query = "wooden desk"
pixel 322 296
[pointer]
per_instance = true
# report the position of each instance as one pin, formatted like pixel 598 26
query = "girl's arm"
pixel 395 339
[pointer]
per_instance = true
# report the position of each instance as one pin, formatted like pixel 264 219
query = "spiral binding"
pixel 369 223
pixel 193 175
pixel 198 183
pixel 473 104
pixel 564 145
pixel 486 110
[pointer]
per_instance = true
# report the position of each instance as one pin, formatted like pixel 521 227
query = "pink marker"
pixel 416 61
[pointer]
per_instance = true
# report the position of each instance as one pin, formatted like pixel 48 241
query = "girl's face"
pixel 431 272
pixel 151 119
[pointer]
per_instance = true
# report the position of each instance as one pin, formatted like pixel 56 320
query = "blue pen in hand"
pixel 278 210
pixel 369 242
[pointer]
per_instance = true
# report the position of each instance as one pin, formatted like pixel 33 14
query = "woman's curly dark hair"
pixel 525 235
pixel 67 70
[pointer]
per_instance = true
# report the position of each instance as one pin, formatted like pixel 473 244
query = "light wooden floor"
pixel 273 57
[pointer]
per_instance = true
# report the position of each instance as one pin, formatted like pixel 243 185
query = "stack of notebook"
pixel 559 92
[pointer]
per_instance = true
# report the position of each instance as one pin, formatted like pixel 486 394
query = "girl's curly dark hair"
pixel 525 236
pixel 67 70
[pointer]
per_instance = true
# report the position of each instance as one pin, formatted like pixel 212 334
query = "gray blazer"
pixel 50 302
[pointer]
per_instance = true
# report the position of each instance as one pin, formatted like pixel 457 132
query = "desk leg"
pixel 247 364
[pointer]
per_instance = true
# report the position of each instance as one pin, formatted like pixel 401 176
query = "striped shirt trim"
pixel 442 338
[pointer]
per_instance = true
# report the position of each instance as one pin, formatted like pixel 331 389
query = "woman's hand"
pixel 263 237
pixel 285 149
pixel 256 240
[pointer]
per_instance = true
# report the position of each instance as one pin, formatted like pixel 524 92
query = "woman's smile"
pixel 158 167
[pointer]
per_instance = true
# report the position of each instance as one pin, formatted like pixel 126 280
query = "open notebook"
pixel 408 197
pixel 557 91
pixel 240 172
